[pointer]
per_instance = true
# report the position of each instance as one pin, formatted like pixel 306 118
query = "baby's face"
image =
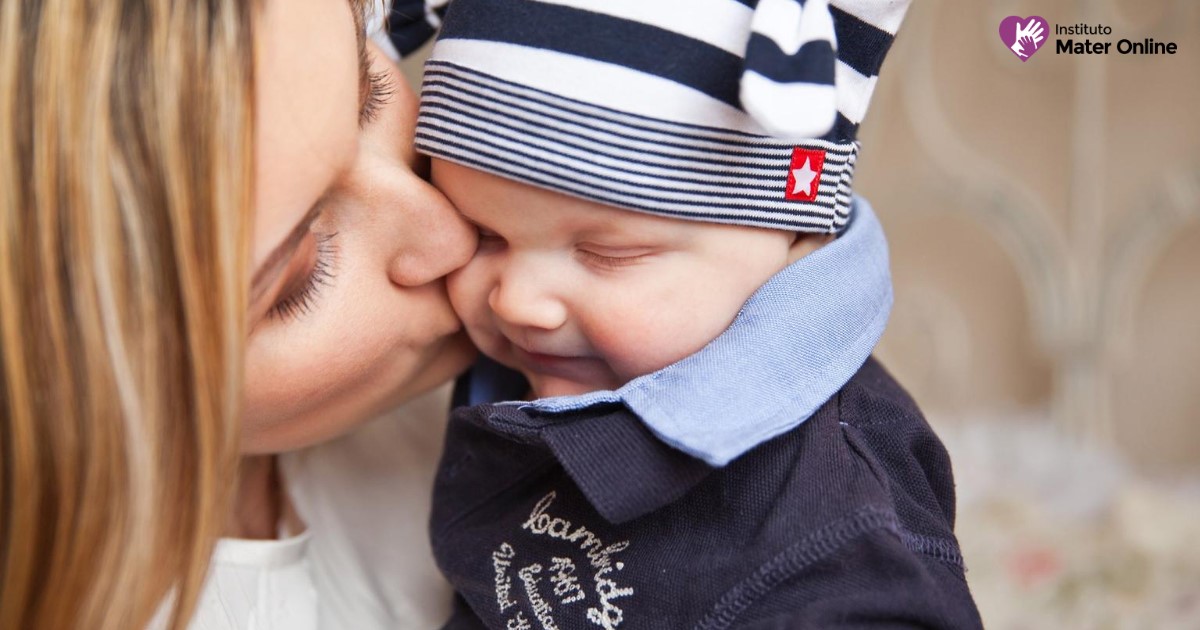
pixel 580 296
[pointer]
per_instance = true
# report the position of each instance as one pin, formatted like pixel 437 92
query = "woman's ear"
pixel 806 243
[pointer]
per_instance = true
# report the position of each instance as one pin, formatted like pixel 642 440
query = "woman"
pixel 363 326
pixel 141 265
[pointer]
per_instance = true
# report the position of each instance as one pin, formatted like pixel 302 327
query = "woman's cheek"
pixel 277 390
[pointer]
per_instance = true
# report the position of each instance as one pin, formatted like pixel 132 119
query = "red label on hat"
pixel 804 177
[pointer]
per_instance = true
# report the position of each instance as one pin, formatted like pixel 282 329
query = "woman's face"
pixel 349 313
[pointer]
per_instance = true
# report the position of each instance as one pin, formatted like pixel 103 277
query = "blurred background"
pixel 1044 221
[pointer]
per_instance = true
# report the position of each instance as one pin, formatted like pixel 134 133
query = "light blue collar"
pixel 794 344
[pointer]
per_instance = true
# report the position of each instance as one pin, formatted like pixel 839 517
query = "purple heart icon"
pixel 1024 36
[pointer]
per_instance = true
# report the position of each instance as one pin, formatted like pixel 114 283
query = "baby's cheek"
pixel 468 290
pixel 640 338
pixel 464 286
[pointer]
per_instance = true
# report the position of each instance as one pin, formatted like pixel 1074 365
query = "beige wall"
pixel 1044 219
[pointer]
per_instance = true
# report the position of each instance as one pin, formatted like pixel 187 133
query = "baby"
pixel 678 295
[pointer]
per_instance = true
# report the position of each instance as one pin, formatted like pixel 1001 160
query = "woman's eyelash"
pixel 382 88
pixel 301 301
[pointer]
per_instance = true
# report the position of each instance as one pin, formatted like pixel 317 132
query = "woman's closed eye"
pixel 317 269
pixel 381 87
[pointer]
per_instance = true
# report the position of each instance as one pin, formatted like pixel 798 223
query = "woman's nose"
pixel 522 297
pixel 435 241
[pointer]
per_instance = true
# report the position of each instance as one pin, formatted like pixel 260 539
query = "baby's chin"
pixel 544 386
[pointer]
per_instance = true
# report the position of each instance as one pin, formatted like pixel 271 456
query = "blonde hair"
pixel 125 201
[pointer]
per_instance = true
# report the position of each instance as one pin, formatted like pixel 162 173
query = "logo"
pixel 1023 36
pixel 804 178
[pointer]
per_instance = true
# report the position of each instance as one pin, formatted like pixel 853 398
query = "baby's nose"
pixel 522 298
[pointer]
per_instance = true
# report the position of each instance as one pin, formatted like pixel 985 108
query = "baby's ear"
pixel 806 243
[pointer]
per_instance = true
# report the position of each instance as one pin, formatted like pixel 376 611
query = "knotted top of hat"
pixel 731 111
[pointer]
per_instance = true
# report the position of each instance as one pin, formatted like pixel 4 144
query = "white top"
pixel 365 560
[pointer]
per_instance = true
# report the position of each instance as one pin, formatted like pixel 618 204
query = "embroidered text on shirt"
pixel 601 558
pixel 541 609
pixel 501 560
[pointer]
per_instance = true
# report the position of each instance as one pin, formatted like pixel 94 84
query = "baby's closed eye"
pixel 613 257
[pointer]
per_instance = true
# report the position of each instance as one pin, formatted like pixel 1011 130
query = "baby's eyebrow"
pixel 608 229
pixel 469 218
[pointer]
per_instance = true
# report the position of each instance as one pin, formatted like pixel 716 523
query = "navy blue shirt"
pixel 589 520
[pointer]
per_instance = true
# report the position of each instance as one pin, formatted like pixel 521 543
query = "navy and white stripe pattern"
pixel 410 23
pixel 684 108
pixel 616 158
pixel 788 83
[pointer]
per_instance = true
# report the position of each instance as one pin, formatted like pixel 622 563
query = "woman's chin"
pixel 298 417
pixel 451 357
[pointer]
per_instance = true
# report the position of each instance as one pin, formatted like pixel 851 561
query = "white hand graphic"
pixel 1030 35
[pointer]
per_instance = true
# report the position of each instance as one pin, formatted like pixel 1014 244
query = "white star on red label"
pixel 803 180
pixel 804 175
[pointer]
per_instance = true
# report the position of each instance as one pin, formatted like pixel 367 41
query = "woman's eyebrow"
pixel 266 274
pixel 364 61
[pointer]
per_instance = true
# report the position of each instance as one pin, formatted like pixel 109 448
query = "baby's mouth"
pixel 575 368
pixel 531 356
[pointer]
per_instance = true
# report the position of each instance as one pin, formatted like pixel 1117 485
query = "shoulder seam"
pixel 936 548
pixel 808 551
pixel 933 546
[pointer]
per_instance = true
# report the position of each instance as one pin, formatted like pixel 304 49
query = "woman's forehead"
pixel 306 120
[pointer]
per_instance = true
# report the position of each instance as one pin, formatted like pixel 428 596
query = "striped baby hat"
pixel 731 111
